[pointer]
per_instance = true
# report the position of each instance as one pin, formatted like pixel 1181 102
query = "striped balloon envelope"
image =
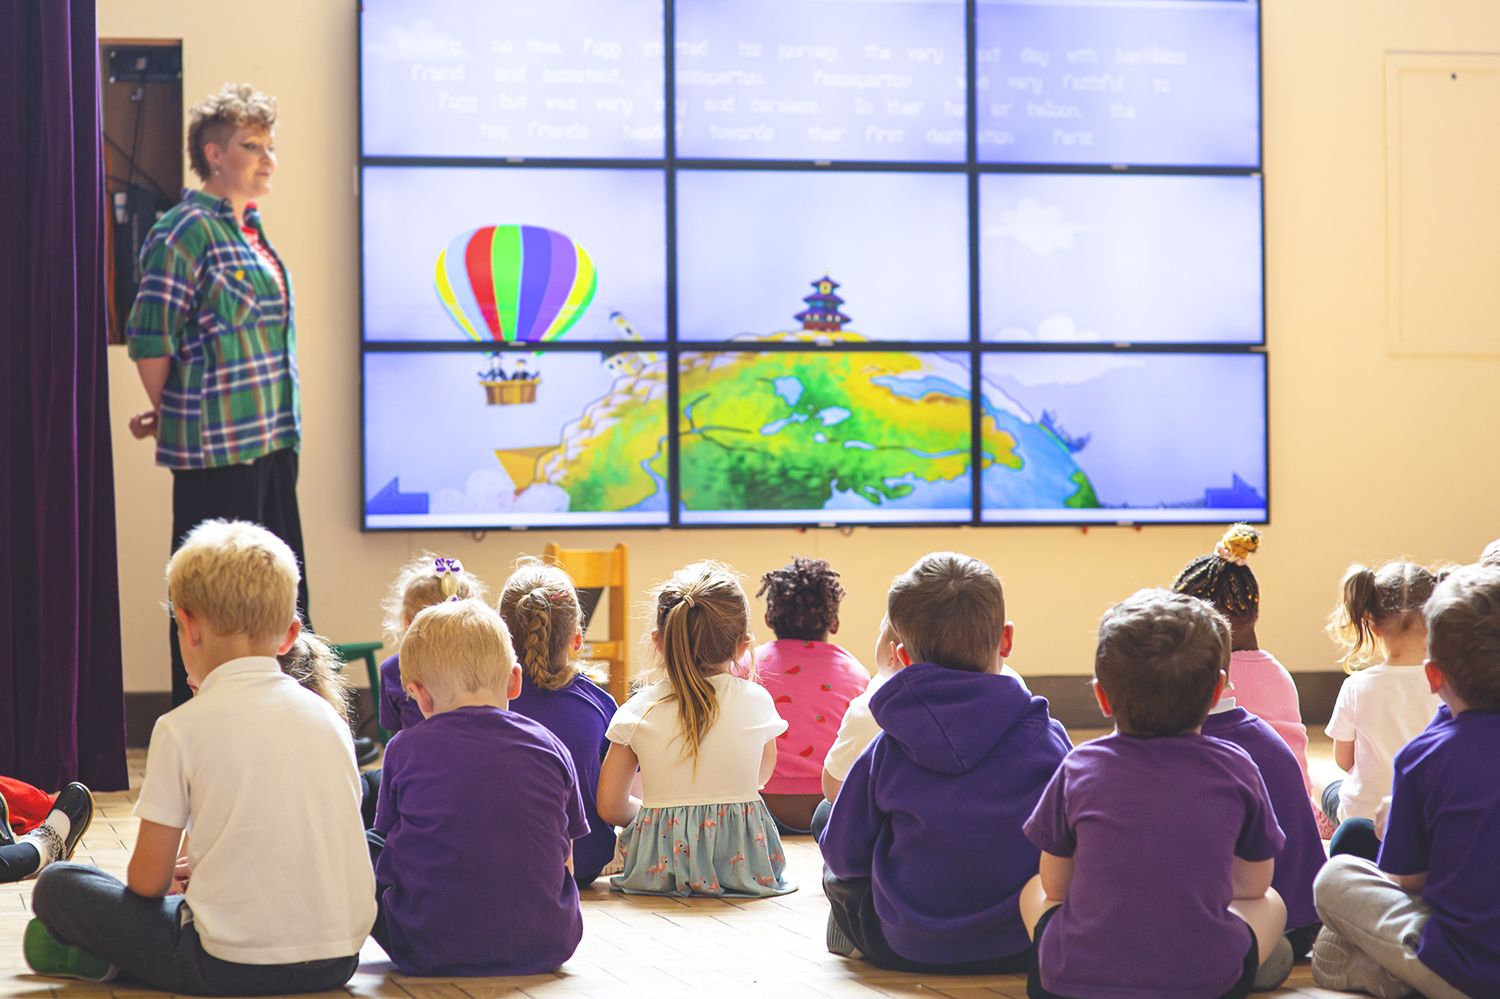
pixel 515 283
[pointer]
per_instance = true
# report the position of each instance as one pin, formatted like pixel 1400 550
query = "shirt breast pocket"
pixel 231 303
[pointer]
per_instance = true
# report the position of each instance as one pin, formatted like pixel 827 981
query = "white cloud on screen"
pixel 491 491
pixel 1038 227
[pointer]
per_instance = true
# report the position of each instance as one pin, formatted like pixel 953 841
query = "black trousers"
pixel 263 491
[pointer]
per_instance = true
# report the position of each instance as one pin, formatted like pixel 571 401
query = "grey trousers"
pixel 154 941
pixel 1365 912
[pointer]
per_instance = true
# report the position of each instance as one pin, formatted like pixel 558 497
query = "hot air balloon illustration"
pixel 514 284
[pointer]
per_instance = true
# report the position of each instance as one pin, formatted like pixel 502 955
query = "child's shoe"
pixel 1337 964
pixel 1275 969
pixel 838 941
pixel 48 955
pixel 58 835
pixel 7 835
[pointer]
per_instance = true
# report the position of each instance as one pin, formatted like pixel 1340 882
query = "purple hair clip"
pixel 447 570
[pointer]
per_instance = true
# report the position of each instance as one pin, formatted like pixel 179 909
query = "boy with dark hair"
pixel 1427 917
pixel 924 851
pixel 1158 844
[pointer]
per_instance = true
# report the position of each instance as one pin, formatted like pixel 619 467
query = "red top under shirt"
pixel 263 252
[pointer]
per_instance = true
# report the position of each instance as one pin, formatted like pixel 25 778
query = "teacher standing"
pixel 211 332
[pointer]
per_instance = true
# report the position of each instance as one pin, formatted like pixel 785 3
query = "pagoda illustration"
pixel 822 313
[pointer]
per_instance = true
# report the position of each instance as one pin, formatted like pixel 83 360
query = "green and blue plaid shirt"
pixel 208 302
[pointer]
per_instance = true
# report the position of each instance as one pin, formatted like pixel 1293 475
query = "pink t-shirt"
pixel 1263 687
pixel 812 684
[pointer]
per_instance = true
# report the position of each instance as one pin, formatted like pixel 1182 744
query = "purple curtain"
pixel 62 712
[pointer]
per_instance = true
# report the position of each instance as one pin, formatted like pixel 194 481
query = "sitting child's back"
pixel 811 680
pixel 540 607
pixel 1303 857
pixel 927 825
pixel 705 742
pixel 478 810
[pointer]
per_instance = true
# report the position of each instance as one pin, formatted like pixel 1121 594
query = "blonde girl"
pixel 705 743
pixel 1385 701
pixel 426 580
pixel 540 607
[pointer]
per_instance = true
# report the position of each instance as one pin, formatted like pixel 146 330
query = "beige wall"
pixel 1372 455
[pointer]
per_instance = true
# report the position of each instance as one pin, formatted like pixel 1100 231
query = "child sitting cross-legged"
pixel 1426 918
pixel 1158 843
pixel 540 608
pixel 479 807
pixel 281 895
pixel 924 850
pixel 811 680
pixel 705 742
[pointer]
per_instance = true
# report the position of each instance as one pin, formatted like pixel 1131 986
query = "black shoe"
pixel 7 834
pixel 77 803
pixel 366 749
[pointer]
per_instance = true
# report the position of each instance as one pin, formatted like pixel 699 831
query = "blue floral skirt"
pixel 724 850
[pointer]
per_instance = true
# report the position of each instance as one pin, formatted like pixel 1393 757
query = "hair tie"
pixel 447 570
pixel 687 600
pixel 1224 552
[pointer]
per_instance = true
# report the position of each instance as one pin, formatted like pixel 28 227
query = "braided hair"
pixel 1223 578
pixel 802 599
pixel 540 607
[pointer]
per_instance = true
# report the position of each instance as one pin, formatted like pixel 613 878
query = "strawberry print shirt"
pixel 812 684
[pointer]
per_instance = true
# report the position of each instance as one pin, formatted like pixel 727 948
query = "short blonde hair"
pixel 457 647
pixel 420 585
pixel 215 118
pixel 237 576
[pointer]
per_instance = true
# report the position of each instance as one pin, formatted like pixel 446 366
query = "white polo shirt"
pixel 261 772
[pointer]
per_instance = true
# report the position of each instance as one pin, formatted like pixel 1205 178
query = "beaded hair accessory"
pixel 447 570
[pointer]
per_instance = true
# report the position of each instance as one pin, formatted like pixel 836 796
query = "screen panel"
pixel 473 440
pixel 832 437
pixel 1120 258
pixel 1140 82
pixel 596 271
pixel 822 80
pixel 752 245
pixel 1140 437
pixel 556 78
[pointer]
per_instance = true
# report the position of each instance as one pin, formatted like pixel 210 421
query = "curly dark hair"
pixel 802 599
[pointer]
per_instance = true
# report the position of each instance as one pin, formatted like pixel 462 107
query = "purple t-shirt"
pixel 1303 857
pixel 1153 827
pixel 578 714
pixel 1445 821
pixel 479 808
pixel 397 709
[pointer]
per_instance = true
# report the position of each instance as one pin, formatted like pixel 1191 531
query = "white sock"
pixel 50 838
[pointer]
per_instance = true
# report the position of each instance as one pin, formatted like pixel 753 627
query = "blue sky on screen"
pixel 750 243
pixel 1120 258
pixel 1163 427
pixel 411 214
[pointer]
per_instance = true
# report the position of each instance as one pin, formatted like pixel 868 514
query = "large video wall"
pixel 742 262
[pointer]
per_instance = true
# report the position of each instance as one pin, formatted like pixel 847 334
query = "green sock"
pixel 48 955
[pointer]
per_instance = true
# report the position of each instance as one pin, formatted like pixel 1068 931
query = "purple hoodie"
pixel 932 811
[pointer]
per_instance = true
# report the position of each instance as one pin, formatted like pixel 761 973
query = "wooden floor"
pixel 640 946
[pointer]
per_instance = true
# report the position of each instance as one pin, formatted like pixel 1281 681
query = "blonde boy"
pixel 451 902
pixel 278 895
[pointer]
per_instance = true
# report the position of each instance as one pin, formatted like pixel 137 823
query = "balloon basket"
pixel 508 393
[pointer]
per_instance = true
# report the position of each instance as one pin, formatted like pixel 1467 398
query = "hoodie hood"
pixel 951 720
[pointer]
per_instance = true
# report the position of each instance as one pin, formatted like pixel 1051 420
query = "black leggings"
pixel 18 862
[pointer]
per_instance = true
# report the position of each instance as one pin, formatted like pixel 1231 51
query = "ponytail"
pixel 1391 597
pixel 702 616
